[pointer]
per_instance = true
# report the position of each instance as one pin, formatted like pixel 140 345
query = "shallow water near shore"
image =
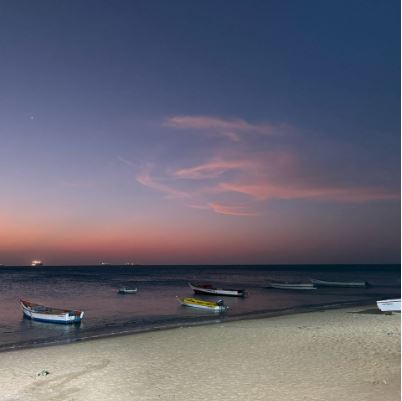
pixel 94 290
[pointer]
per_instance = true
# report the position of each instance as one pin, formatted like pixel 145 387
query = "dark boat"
pixel 209 289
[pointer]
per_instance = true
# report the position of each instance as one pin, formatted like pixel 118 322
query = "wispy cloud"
pixel 232 129
pixel 145 178
pixel 240 179
pixel 212 189
pixel 264 191
pixel 212 169
pixel 126 161
pixel 232 210
pixel 256 191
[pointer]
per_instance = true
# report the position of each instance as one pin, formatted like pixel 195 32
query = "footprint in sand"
pixel 58 387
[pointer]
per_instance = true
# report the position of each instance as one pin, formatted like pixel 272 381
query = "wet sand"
pixel 346 354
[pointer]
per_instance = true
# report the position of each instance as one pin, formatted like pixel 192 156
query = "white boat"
pixel 322 283
pixel 36 263
pixel 290 286
pixel 210 290
pixel 389 305
pixel 51 315
pixel 218 306
pixel 125 290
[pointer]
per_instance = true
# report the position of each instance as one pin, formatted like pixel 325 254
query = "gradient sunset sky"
pixel 163 132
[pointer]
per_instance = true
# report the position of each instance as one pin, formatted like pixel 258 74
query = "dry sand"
pixel 339 355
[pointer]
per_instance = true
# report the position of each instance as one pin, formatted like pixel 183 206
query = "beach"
pixel 343 354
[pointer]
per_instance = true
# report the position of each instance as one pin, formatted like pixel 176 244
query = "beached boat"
pixel 52 315
pixel 200 304
pixel 290 286
pixel 389 305
pixel 125 290
pixel 211 290
pixel 322 283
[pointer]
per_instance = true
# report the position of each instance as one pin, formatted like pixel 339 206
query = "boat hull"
pixel 356 284
pixel 217 291
pixel 298 287
pixel 127 291
pixel 198 304
pixel 389 305
pixel 64 317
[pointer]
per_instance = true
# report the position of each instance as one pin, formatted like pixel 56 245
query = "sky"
pixel 213 132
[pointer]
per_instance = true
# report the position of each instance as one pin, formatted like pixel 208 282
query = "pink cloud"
pixel 256 191
pixel 145 178
pixel 264 177
pixel 240 173
pixel 232 210
pixel 212 169
pixel 230 128
pixel 265 191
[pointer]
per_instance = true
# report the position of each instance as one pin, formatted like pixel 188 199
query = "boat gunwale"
pixel 211 288
pixel 194 302
pixel 225 292
pixel 290 286
pixel 31 307
pixel 339 283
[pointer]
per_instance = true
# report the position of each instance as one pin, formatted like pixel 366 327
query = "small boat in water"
pixel 389 305
pixel 211 290
pixel 125 290
pixel 322 283
pixel 36 263
pixel 51 315
pixel 218 306
pixel 290 286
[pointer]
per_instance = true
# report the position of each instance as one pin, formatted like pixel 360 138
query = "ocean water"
pixel 94 290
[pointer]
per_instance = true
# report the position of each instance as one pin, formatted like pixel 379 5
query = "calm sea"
pixel 94 290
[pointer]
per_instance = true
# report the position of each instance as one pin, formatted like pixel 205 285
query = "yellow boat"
pixel 200 304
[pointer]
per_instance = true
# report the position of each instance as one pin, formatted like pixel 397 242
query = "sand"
pixel 339 355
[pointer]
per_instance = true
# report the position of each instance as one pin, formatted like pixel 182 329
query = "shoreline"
pixel 193 322
pixel 349 353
